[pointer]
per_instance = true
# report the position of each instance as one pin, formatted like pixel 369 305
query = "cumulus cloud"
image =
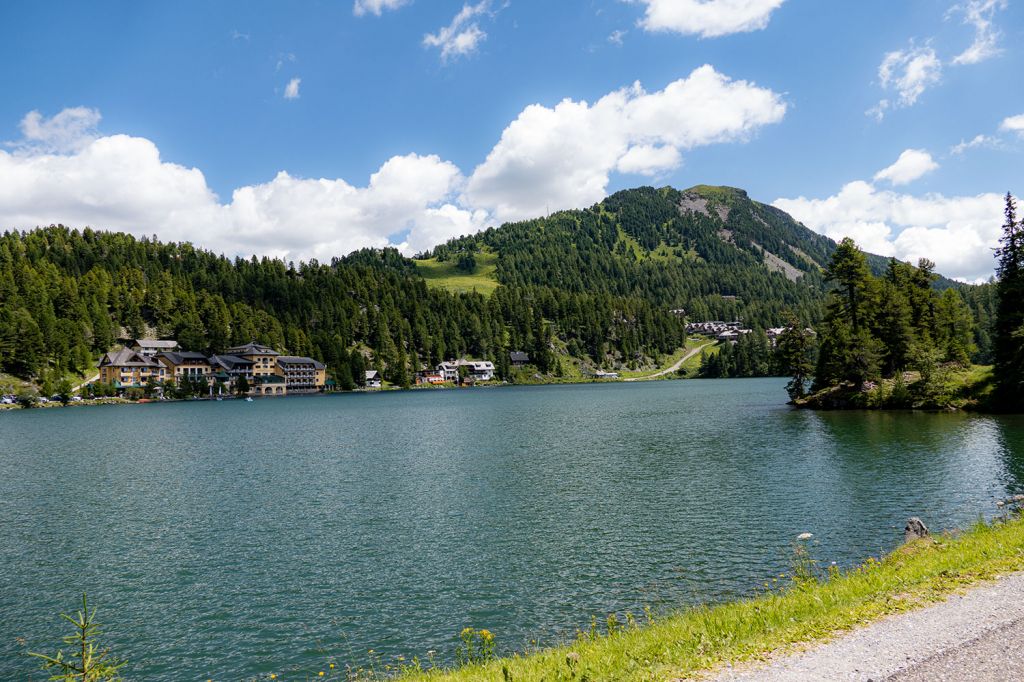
pixel 615 38
pixel 376 7
pixel 64 171
pixel 1013 124
pixel 461 37
pixel 708 18
pixel 291 91
pixel 646 159
pixel 70 130
pixel 119 182
pixel 958 233
pixel 912 164
pixel 563 156
pixel 980 14
pixel 908 73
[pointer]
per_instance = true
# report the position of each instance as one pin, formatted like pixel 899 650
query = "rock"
pixel 915 529
pixel 805 536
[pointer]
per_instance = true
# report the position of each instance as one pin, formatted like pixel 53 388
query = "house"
pixel 151 347
pixel 518 358
pixel 372 379
pixel 231 368
pixel 129 369
pixel 301 374
pixel 264 358
pixel 449 370
pixel 478 370
pixel 601 374
pixel 191 365
pixel 431 377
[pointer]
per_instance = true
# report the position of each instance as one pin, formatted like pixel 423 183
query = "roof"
pixel 181 357
pixel 299 360
pixel 127 358
pixel 229 361
pixel 519 356
pixel 251 348
pixel 372 374
pixel 162 344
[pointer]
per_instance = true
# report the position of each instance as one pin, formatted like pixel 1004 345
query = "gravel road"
pixel 976 637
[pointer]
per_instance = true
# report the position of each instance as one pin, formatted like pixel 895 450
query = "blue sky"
pixel 256 126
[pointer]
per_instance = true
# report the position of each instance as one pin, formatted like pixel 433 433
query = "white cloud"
pixel 645 159
pixel 461 37
pixel 958 233
pixel 63 171
pixel 120 182
pixel 376 7
pixel 615 38
pixel 1014 124
pixel 708 18
pixel 562 156
pixel 909 73
pixel 291 91
pixel 912 164
pixel 70 130
pixel 976 141
pixel 980 14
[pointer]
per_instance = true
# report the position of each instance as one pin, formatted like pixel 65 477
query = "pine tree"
pixel 795 346
pixel 1009 363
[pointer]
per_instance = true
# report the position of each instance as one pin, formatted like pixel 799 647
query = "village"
pixel 153 366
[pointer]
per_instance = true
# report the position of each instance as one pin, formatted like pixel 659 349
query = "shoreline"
pixel 110 401
pixel 710 641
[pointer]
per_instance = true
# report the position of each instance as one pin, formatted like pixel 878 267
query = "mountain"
pixel 597 286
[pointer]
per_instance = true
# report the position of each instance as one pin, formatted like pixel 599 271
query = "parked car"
pixel 6 401
pixel 76 398
pixel 42 399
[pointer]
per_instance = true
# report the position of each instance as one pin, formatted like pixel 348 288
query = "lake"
pixel 228 540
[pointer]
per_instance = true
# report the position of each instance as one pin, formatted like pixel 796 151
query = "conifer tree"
pixel 1009 327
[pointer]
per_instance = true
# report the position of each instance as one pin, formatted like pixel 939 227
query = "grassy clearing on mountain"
pixel 446 275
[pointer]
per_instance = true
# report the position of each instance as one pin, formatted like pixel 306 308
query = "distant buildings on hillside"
pixel 252 369
pixel 732 331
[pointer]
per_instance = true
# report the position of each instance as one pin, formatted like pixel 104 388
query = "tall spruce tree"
pixel 1009 326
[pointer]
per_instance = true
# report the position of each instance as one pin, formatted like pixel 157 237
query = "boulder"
pixel 915 529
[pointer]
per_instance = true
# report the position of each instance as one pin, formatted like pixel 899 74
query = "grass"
pixel 810 610
pixel 956 388
pixel 446 276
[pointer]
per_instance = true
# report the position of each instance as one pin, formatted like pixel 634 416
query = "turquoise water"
pixel 228 540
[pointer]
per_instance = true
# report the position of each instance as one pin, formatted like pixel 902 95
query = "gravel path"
pixel 673 368
pixel 977 636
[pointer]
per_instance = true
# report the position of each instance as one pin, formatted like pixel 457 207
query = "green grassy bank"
pixel 811 609
pixel 944 388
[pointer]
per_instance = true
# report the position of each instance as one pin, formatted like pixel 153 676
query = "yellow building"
pixel 186 364
pixel 129 369
pixel 263 358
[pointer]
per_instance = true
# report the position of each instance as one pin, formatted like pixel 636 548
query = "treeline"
pixel 876 327
pixel 752 355
pixel 67 295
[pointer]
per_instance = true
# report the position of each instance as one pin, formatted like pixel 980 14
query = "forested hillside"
pixel 599 284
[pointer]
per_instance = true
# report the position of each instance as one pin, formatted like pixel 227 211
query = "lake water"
pixel 228 540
